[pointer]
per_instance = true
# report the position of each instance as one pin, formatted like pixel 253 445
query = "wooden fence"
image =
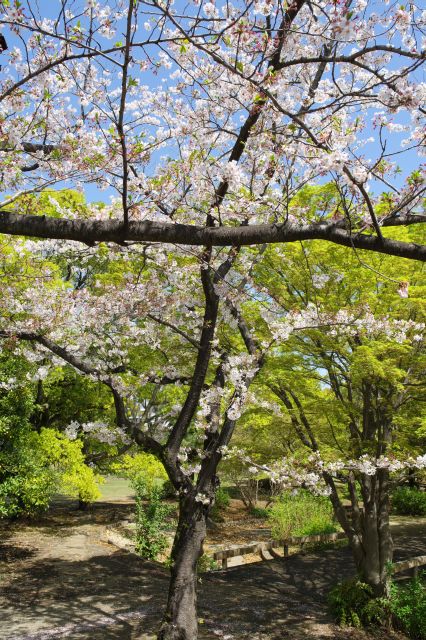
pixel 406 565
pixel 260 548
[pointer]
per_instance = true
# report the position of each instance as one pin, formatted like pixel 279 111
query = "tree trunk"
pixel 82 504
pixel 374 558
pixel 368 529
pixel 180 618
pixel 413 482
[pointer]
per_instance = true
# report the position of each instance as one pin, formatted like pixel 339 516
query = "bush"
pixel 151 514
pixel 259 513
pixel 301 514
pixel 34 463
pixel 408 607
pixel 142 469
pixel 220 504
pixel 35 466
pixel 352 605
pixel 206 563
pixel 407 501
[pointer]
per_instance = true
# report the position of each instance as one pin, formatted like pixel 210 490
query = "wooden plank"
pixel 411 563
pixel 257 547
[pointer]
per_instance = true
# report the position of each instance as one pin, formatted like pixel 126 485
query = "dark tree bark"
pixel 377 547
pixel 82 504
pixel 180 618
pixel 92 231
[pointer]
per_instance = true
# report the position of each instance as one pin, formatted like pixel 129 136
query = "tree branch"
pixel 92 231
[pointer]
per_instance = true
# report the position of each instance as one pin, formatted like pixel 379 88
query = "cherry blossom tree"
pixel 198 125
pixel 133 329
pixel 245 102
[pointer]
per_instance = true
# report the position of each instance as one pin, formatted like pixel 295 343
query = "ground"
pixel 60 579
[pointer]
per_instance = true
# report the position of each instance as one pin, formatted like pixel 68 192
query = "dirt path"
pixel 60 580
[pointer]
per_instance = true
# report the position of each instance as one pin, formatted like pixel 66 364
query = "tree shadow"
pixel 117 595
pixel 11 553
pixel 81 596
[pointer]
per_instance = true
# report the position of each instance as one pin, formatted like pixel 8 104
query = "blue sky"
pixel 408 160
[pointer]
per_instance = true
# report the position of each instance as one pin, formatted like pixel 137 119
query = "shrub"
pixel 259 513
pixel 408 606
pixel 34 466
pixel 301 514
pixel 151 514
pixel 352 604
pixel 206 563
pixel 407 501
pixel 220 504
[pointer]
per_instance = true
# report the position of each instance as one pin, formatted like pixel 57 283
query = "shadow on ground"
pixel 114 595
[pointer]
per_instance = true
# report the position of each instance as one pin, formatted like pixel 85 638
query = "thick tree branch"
pixel 201 365
pixel 92 231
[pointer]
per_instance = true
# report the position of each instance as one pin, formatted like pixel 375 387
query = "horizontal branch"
pixel 92 231
pixel 59 351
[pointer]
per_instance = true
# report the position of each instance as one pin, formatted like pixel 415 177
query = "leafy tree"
pixel 353 387
pixel 34 465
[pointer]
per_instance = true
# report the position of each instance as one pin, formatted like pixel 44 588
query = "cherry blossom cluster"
pixel 291 473
pixel 189 84
pixel 98 430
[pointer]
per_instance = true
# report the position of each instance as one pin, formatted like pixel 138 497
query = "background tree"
pixel 353 387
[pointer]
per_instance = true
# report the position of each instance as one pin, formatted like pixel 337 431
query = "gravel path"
pixel 60 580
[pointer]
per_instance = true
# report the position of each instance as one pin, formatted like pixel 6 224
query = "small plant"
pixel 352 604
pixel 151 513
pixel 408 501
pixel 206 563
pixel 301 514
pixel 408 607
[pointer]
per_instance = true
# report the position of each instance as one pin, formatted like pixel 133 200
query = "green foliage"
pixel 151 514
pixel 27 484
pixel 143 470
pixel 352 604
pixel 408 606
pixel 407 501
pixel 220 504
pixel 39 465
pixel 34 464
pixel 333 376
pixel 206 563
pixel 301 514
pixel 149 479
pixel 80 481
pixel 259 513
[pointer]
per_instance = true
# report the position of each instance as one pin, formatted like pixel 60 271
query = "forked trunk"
pixel 368 529
pixel 373 555
pixel 180 619
pixel 373 565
